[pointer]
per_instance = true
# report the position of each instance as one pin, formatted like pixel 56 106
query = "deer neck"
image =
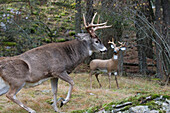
pixel 79 50
pixel 115 57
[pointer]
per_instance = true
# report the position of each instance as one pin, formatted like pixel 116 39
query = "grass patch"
pixel 83 97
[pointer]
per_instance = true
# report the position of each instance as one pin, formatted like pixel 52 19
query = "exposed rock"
pixel 166 107
pixel 124 104
pixel 154 111
pixel 148 104
pixel 139 109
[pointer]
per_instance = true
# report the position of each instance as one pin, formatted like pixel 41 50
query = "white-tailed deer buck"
pixel 54 61
pixel 108 65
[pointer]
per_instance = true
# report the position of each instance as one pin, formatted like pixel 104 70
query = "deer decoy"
pixel 109 65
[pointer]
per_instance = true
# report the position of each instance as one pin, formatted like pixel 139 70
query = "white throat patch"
pixel 90 52
pixel 115 57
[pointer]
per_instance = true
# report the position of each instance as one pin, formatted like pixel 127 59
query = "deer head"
pixel 117 49
pixel 95 43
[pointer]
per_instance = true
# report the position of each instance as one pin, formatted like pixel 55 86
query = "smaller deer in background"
pixel 108 65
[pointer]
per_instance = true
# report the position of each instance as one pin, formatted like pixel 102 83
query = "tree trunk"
pixel 78 17
pixel 159 66
pixel 142 39
pixel 166 24
pixel 89 10
pixel 141 53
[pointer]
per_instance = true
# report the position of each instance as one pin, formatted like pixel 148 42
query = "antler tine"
pixel 122 43
pixel 112 42
pixel 98 19
pixel 94 27
pixel 102 27
pixel 93 18
pixel 84 19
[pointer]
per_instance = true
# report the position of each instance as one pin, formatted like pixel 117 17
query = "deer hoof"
pixel 61 105
pixel 61 99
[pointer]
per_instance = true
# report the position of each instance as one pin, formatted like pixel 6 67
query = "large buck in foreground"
pixel 55 60
pixel 108 65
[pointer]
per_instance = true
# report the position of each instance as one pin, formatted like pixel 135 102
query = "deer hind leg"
pixel 90 76
pixel 97 74
pixel 54 85
pixel 12 96
pixel 64 76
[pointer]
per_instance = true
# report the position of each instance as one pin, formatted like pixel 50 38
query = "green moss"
pixel 9 8
pixel 47 40
pixel 71 33
pixel 60 40
pixel 35 12
pixel 78 111
pixel 58 16
pixel 93 109
pixel 49 101
pixel 9 43
pixel 152 105
pixel 166 96
pixel 62 14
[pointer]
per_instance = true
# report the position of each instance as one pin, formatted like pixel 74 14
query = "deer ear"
pixel 112 46
pixel 123 48
pixel 83 36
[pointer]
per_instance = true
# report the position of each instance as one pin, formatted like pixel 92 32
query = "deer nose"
pixel 115 52
pixel 103 50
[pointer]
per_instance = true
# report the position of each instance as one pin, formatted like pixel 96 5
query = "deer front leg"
pixel 110 79
pixel 115 73
pixel 64 76
pixel 54 85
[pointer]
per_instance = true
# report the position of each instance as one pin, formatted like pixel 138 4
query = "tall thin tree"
pixel 78 17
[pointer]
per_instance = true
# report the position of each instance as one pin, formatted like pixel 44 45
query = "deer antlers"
pixel 93 26
pixel 122 44
pixel 112 42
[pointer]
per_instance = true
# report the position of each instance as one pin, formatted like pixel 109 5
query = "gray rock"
pixel 124 104
pixel 154 111
pixel 102 111
pixel 139 109
pixel 168 101
pixel 166 107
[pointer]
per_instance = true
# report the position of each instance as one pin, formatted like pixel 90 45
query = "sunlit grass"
pixel 83 97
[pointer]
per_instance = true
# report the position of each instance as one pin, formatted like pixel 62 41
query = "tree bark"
pixel 142 39
pixel 166 25
pixel 159 65
pixel 78 17
pixel 89 10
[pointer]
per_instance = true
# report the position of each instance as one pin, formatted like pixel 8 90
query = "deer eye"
pixel 97 41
